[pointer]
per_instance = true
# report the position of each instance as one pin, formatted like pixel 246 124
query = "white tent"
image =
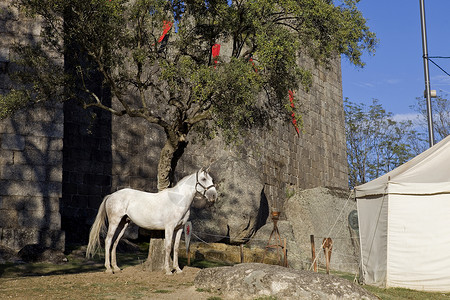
pixel 404 223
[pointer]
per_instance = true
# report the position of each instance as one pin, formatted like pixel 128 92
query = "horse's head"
pixel 205 185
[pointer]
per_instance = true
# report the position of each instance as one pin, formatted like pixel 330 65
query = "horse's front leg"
pixel 175 251
pixel 168 247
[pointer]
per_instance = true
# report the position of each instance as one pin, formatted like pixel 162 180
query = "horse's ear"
pixel 202 170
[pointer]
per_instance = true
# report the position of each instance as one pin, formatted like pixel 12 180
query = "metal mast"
pixel 427 74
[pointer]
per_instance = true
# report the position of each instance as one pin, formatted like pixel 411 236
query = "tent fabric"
pixel 404 224
pixel 428 167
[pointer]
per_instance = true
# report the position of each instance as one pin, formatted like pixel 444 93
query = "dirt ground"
pixel 80 278
pixel 132 283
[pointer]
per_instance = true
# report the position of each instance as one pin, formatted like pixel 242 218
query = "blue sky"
pixel 394 75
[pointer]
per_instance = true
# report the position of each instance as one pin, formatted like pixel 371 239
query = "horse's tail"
pixel 98 227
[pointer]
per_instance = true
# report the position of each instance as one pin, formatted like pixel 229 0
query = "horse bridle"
pixel 205 189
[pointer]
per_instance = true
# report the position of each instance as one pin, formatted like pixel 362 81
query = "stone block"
pixel 38 158
pixel 31 203
pixel 8 218
pixel 95 179
pixel 4 54
pixel 7 238
pixel 84 189
pixel 39 219
pixel 25 236
pixel 31 173
pixel 12 142
pixel 53 238
pixel 6 157
pixel 43 144
pixel 31 188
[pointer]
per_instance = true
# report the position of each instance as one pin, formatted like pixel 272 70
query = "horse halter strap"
pixel 205 189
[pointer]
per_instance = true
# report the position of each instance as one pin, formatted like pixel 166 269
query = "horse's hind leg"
pixel 175 251
pixel 122 227
pixel 113 224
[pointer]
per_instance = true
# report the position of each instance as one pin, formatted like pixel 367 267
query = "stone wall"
pixel 30 178
pixel 30 153
pixel 103 153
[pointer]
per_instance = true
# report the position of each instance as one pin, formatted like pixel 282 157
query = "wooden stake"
pixel 189 257
pixel 285 254
pixel 313 252
pixel 242 253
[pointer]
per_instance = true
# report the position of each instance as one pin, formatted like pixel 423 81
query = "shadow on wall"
pixel 87 164
pixel 30 180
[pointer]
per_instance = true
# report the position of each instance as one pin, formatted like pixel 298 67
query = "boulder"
pixel 39 253
pixel 248 281
pixel 322 212
pixel 7 255
pixel 241 208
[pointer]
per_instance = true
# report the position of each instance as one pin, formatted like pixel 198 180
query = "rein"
pixel 205 189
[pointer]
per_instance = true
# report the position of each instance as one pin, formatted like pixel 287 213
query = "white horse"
pixel 166 210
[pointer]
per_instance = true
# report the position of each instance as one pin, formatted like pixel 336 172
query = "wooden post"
pixel 241 246
pixel 313 252
pixel 285 254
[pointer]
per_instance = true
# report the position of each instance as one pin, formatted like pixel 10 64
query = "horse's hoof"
pixel 178 271
pixel 117 270
pixel 169 273
pixel 109 271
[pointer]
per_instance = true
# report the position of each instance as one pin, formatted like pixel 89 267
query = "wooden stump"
pixel 156 252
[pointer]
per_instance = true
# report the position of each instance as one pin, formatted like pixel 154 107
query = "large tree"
pixel 176 81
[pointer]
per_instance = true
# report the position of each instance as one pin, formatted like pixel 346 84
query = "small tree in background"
pixel 440 107
pixel 376 144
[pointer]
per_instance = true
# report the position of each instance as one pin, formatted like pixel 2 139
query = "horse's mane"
pixel 184 179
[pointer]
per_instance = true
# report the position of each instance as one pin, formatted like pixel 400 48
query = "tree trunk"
pixel 156 252
pixel 168 160
pixel 169 157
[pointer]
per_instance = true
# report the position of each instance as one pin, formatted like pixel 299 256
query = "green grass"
pixel 202 264
pixel 401 293
pixel 73 266
pixel 162 292
pixel 394 293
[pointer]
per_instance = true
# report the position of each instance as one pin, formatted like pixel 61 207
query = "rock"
pixel 39 253
pixel 241 208
pixel 261 238
pixel 7 255
pixel 247 281
pixel 323 212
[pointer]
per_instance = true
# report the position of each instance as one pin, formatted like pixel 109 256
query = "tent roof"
pixel 427 173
